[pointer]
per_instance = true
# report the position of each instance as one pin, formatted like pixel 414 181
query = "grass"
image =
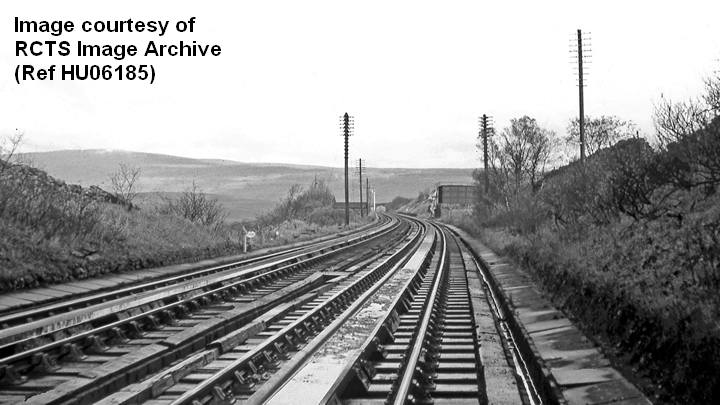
pixel 126 241
pixel 121 241
pixel 628 243
pixel 635 288
pixel 53 233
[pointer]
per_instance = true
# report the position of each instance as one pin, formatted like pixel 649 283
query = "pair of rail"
pixel 21 352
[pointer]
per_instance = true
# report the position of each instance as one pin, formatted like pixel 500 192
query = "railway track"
pixel 391 316
pixel 427 349
pixel 30 314
pixel 167 322
pixel 169 298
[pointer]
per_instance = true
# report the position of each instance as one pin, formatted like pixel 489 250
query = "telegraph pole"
pixel 360 171
pixel 581 86
pixel 347 124
pixel 485 129
pixel 582 101
pixel 367 196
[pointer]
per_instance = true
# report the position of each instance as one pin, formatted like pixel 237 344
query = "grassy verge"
pixel 131 241
pixel 630 287
pixel 51 232
pixel 120 241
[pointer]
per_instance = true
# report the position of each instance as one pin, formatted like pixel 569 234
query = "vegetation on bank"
pixel 304 213
pixel 51 232
pixel 628 243
pixel 397 203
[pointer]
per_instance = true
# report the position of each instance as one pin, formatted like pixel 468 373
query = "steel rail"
pixel 267 390
pixel 215 385
pixel 360 370
pixel 21 316
pixel 211 295
pixel 521 364
pixel 408 374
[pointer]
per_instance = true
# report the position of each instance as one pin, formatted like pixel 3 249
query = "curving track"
pixel 395 314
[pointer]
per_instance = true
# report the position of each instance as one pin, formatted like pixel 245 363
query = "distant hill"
pixel 245 189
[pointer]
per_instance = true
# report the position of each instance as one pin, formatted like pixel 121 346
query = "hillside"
pixel 53 232
pixel 245 189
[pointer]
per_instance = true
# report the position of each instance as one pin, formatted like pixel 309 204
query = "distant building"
pixel 455 194
pixel 460 194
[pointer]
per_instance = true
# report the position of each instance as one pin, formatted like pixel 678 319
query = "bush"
pixel 51 232
pixel 195 206
pixel 398 202
pixel 326 216
pixel 310 204
pixel 29 198
pixel 629 243
pixel 124 184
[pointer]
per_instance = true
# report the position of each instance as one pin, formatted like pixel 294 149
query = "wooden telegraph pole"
pixel 485 129
pixel 581 87
pixel 347 124
pixel 360 164
pixel 367 195
pixel 582 100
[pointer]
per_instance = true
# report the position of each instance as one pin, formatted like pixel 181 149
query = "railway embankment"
pixel 634 300
pixel 567 366
pixel 52 232
pixel 626 243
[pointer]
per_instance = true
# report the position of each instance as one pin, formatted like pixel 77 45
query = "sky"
pixel 415 75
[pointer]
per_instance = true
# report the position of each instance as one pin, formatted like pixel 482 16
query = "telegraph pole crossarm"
pixel 582 102
pixel 360 163
pixel 485 132
pixel 347 128
pixel 582 55
pixel 367 195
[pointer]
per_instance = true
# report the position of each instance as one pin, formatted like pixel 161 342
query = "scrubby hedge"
pixel 302 213
pixel 632 288
pixel 52 232
pixel 313 204
pixel 629 242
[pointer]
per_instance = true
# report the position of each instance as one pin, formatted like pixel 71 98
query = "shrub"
pixel 124 184
pixel 398 202
pixel 310 204
pixel 195 206
pixel 326 216
pixel 629 242
pixel 30 198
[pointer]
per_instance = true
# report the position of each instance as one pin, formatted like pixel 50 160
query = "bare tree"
pixel 8 149
pixel 195 206
pixel 124 184
pixel 10 186
pixel 599 132
pixel 290 206
pixel 675 121
pixel 689 133
pixel 712 94
pixel 524 149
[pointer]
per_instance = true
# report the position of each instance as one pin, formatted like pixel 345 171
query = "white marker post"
pixel 250 235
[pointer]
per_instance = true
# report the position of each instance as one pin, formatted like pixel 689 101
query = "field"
pixel 245 189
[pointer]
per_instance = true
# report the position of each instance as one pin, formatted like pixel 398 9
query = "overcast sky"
pixel 415 75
